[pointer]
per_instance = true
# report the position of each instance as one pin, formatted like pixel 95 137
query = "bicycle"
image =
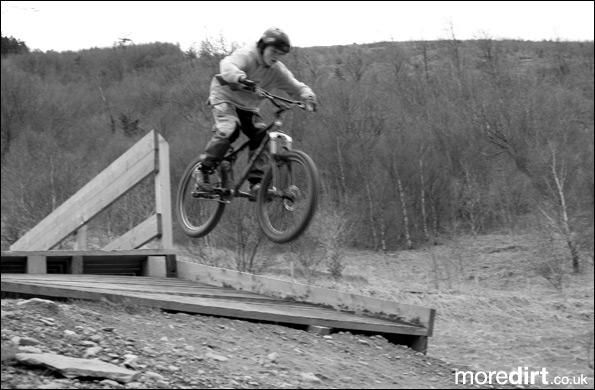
pixel 288 194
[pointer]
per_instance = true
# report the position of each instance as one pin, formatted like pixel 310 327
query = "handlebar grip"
pixel 251 85
pixel 241 85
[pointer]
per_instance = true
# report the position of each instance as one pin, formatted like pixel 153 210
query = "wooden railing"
pixel 149 156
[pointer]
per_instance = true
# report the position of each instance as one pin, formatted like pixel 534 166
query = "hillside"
pixel 417 139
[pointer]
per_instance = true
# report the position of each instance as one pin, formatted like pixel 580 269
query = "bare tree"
pixel 547 172
pixel 356 64
pixel 422 195
pixel 394 172
pixel 559 172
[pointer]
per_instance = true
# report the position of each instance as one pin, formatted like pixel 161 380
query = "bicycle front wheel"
pixel 288 196
pixel 197 215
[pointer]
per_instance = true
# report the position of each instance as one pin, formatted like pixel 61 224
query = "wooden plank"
pixel 151 285
pixel 137 236
pixel 321 317
pixel 269 309
pixel 89 253
pixel 305 293
pixel 89 279
pixel 148 289
pixel 117 282
pixel 129 169
pixel 115 262
pixel 143 283
pixel 163 192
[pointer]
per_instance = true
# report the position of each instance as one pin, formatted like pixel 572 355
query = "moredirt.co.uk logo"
pixel 520 376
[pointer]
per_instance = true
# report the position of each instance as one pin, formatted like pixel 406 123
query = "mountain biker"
pixel 235 105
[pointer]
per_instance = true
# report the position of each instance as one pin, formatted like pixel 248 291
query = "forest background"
pixel 414 141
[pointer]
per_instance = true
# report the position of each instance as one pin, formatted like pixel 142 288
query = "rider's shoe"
pixel 203 176
pixel 254 188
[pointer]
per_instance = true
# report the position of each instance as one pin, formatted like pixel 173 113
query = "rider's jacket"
pixel 248 62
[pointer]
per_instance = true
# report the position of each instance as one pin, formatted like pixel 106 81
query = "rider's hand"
pixel 249 84
pixel 311 103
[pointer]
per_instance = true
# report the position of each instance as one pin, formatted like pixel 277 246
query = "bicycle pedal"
pixel 203 194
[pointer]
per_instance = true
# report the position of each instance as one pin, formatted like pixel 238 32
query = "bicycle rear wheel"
pixel 197 215
pixel 288 196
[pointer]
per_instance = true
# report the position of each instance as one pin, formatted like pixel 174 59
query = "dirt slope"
pixel 177 350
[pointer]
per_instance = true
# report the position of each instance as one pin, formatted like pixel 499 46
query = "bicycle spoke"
pixel 198 210
pixel 197 213
pixel 291 199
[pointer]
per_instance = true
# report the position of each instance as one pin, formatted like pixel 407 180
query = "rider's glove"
pixel 249 84
pixel 311 102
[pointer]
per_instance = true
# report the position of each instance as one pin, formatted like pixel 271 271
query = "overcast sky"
pixel 75 25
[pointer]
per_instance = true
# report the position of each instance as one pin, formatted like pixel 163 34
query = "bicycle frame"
pixel 274 125
pixel 231 157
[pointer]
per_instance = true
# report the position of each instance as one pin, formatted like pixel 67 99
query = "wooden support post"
pixel 171 266
pixel 419 344
pixel 155 266
pixel 37 264
pixel 80 243
pixel 163 192
pixel 76 265
pixel 319 330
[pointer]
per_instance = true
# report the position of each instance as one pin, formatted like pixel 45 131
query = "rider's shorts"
pixel 228 120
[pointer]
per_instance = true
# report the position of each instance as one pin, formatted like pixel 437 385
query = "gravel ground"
pixel 179 350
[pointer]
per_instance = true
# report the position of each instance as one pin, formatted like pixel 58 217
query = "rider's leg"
pixel 253 126
pixel 226 131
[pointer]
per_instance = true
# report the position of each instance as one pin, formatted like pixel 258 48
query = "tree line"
pixel 11 45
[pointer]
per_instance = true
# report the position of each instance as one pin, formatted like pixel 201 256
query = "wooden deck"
pixel 113 262
pixel 195 297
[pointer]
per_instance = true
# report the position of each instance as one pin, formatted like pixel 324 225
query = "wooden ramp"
pixel 120 273
pixel 155 278
pixel 195 297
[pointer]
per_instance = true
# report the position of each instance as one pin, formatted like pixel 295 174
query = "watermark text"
pixel 520 376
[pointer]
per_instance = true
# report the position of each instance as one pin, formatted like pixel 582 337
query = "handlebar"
pixel 281 103
pixel 276 99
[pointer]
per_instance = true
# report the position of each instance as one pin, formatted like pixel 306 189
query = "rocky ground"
pixel 177 350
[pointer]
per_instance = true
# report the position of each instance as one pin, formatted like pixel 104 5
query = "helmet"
pixel 275 37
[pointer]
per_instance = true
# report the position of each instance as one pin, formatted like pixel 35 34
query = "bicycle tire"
pixel 280 223
pixel 189 208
